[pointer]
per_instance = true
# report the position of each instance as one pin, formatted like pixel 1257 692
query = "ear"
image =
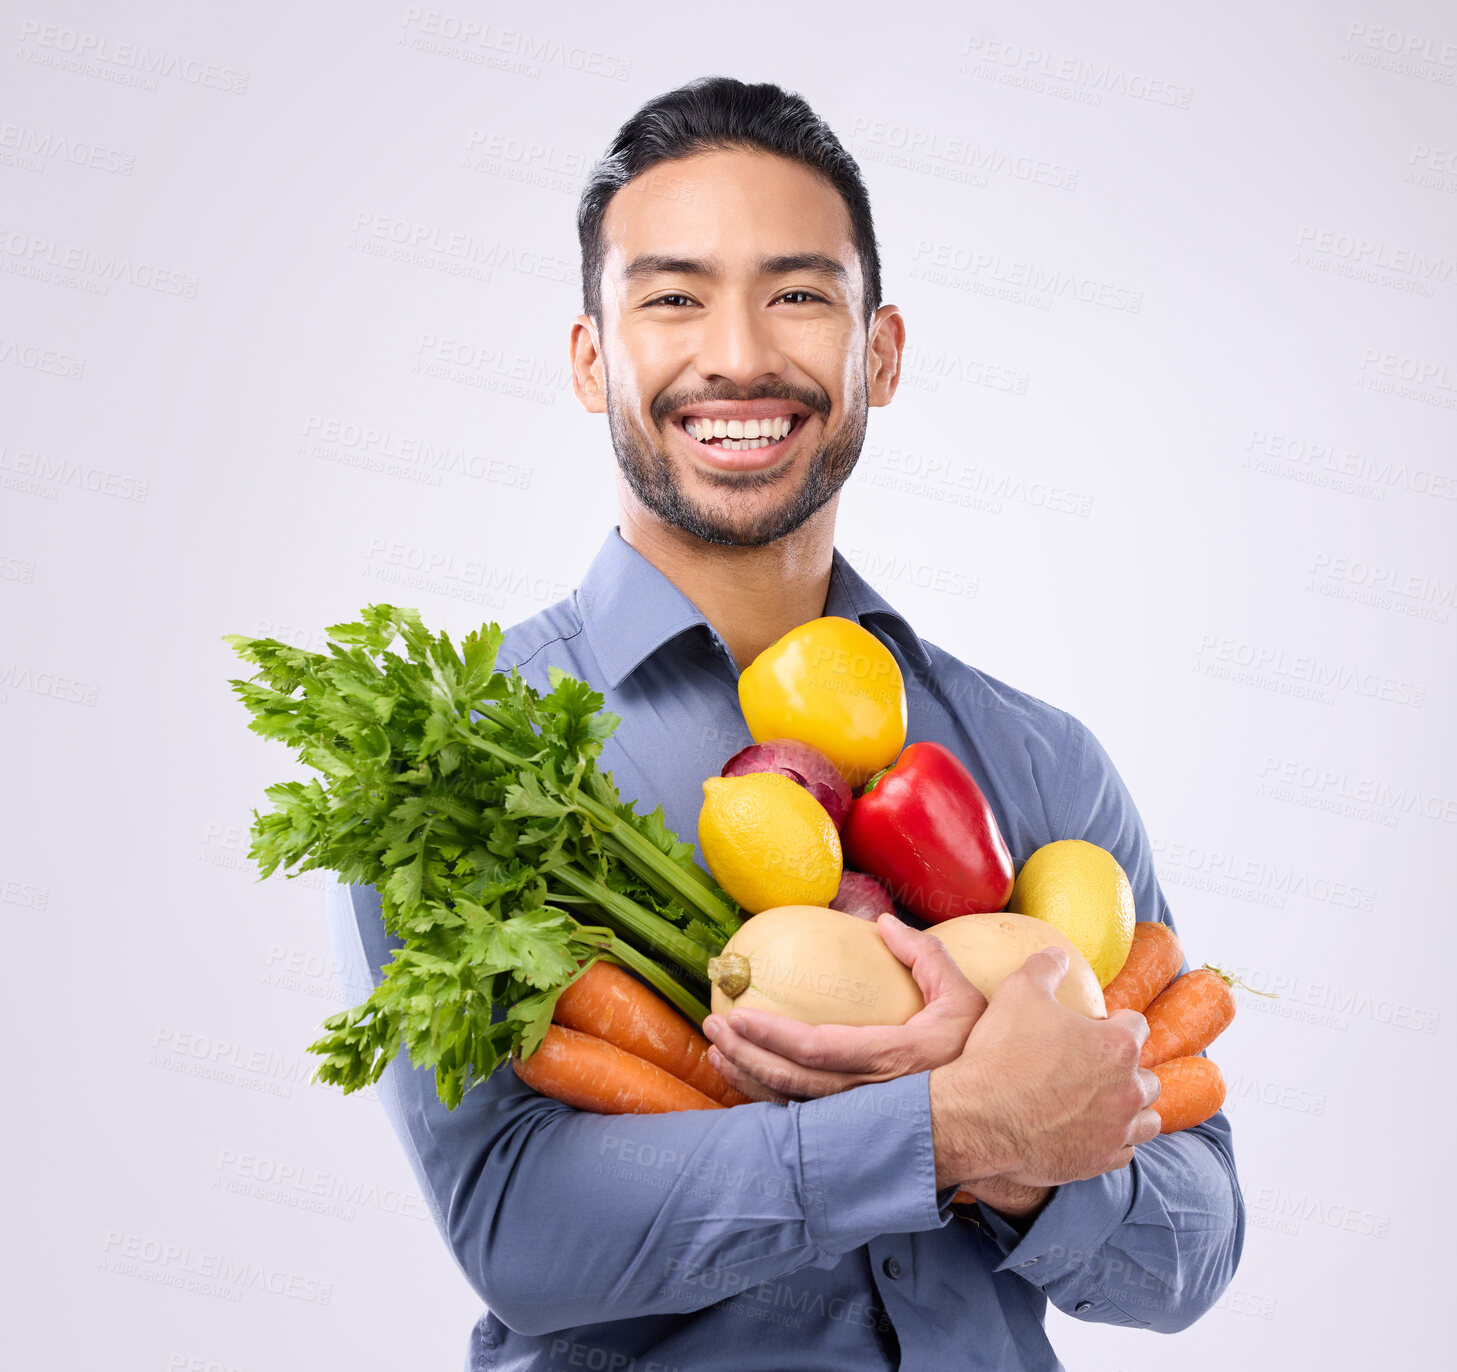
pixel 589 384
pixel 884 346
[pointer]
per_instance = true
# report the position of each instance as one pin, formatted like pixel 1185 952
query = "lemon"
pixel 768 842
pixel 1079 888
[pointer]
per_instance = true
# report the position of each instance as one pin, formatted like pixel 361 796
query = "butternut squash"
pixel 824 967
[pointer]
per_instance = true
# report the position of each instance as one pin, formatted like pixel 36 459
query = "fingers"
pixel 742 1081
pixel 1045 969
pixel 769 1074
pixel 1147 1123
pixel 1123 1158
pixel 1147 1126
pixel 829 1047
pixel 913 946
pixel 1152 1086
pixel 1049 965
pixel 1134 1021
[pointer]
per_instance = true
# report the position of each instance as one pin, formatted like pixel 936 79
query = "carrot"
pixel 613 1005
pixel 1152 963
pixel 1192 1089
pixel 595 1075
pixel 1188 1017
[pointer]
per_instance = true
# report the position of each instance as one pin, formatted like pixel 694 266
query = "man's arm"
pixel 560 1218
pixel 1157 1242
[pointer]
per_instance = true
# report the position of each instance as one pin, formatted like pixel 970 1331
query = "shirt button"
pixel 891 1268
pixel 1082 1306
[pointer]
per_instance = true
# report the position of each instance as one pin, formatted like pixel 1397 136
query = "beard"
pixel 648 470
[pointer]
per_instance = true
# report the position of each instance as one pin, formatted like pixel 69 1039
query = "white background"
pixel 1195 485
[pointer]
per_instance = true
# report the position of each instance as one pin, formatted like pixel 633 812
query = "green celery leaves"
pixel 504 857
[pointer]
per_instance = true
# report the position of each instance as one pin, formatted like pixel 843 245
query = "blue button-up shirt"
pixel 810 1236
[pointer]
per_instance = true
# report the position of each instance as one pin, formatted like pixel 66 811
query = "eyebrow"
pixel 657 264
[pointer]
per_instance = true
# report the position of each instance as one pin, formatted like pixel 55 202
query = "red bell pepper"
pixel 923 827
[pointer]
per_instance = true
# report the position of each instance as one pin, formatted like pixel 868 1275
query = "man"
pixel 730 273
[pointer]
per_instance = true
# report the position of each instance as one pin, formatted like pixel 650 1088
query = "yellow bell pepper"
pixel 834 685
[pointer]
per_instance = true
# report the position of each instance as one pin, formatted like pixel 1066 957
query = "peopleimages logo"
pixel 1397 590
pixel 380 448
pixel 297 1186
pixel 1327 1005
pixel 1374 259
pixel 35 149
pixel 1021 65
pixel 29 254
pixel 448 35
pixel 987 272
pixel 130 64
pixel 880 568
pixel 1330 465
pixel 31 357
pixel 1273 1207
pixel 1259 880
pixel 1332 788
pixel 953 158
pixel 1299 675
pixel 207 1273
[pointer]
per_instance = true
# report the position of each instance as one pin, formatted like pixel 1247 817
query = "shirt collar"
pixel 852 597
pixel 630 610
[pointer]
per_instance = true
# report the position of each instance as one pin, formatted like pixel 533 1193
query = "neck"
pixel 751 596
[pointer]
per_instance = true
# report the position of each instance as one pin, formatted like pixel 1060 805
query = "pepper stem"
pixel 874 780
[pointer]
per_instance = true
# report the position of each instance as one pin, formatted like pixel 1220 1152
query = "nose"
pixel 737 342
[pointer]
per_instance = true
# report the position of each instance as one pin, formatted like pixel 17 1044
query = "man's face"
pixel 738 339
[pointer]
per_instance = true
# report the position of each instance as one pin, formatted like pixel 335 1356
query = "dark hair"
pixel 721 113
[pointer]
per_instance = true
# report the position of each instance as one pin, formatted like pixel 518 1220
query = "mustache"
pixel 666 406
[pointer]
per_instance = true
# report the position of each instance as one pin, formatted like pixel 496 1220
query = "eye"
pixel 671 296
pixel 809 294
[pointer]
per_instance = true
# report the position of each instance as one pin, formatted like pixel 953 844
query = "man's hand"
pixel 1042 1095
pixel 776 1058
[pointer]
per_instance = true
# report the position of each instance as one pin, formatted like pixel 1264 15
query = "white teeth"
pixel 739 434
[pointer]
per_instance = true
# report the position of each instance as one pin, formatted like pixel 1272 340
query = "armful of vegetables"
pixel 504 857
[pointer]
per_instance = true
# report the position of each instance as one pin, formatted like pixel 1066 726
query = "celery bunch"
pixel 504 857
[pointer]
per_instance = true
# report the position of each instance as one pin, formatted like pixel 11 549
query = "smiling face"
pixel 733 361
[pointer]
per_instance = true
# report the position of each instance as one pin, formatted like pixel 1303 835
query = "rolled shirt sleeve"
pixel 1156 1243
pixel 742 1196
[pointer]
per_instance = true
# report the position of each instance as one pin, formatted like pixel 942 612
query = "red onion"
pixel 802 764
pixel 862 896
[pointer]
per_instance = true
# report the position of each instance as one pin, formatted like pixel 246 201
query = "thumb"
pixel 1047 968
pixel 937 974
